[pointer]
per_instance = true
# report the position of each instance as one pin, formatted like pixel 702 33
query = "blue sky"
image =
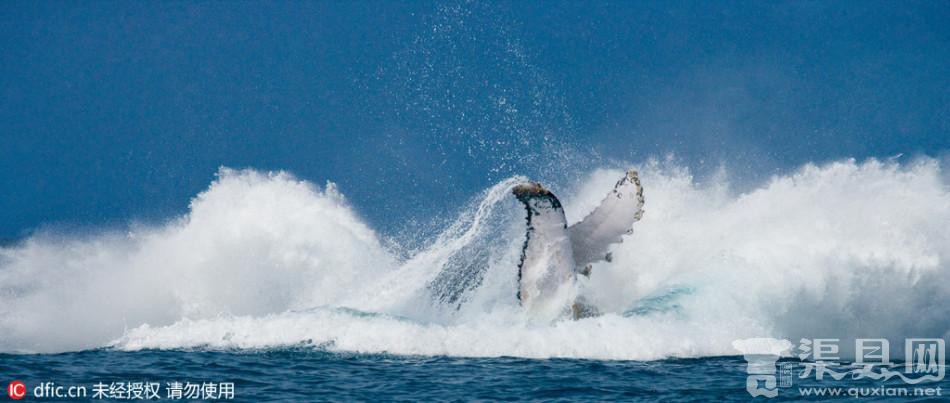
pixel 119 111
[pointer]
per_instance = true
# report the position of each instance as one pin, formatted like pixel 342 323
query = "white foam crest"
pixel 252 244
pixel 844 249
pixel 490 334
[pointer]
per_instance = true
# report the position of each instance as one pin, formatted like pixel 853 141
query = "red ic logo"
pixel 16 390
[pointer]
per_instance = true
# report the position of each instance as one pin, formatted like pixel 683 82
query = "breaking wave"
pixel 264 260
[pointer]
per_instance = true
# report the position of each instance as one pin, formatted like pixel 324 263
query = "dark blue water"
pixel 311 375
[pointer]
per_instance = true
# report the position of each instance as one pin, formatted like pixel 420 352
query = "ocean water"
pixel 400 283
pixel 303 374
pixel 300 374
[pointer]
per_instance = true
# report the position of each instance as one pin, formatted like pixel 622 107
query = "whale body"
pixel 555 253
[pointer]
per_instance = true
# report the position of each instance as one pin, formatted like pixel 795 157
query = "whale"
pixel 554 253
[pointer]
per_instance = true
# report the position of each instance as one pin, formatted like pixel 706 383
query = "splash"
pixel 252 244
pixel 844 250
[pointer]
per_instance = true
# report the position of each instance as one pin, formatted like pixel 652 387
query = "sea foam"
pixel 264 260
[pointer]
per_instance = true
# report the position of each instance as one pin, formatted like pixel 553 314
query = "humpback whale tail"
pixel 554 253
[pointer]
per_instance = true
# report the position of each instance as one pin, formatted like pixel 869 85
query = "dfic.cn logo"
pixel 16 390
